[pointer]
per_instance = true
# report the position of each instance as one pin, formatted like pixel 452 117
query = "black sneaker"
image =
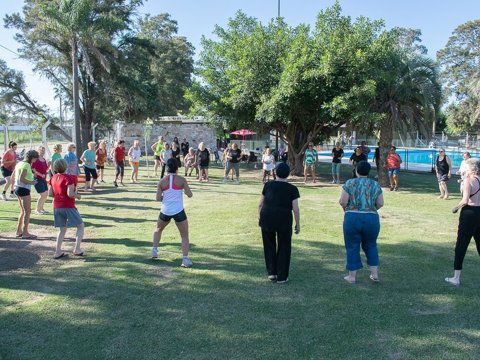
pixel 115 183
pixel 391 188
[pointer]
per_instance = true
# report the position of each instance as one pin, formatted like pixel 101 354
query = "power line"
pixel 13 52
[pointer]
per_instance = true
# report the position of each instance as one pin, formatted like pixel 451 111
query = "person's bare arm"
pixel 260 205
pixel 379 202
pixel 296 214
pixel 186 189
pixel 159 191
pixel 50 191
pixel 449 162
pixel 24 180
pixel 344 199
pixel 71 193
pixel 466 195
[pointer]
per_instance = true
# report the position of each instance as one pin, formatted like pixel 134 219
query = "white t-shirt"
pixel 268 162
pixel 135 155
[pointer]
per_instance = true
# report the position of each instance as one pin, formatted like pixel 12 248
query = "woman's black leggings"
pixel 119 169
pixel 468 226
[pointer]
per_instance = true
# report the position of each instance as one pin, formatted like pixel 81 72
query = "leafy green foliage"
pixel 459 61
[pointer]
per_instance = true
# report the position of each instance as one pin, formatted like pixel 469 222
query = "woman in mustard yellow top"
pixel 23 182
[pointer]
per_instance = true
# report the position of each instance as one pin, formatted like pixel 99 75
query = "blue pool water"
pixel 421 157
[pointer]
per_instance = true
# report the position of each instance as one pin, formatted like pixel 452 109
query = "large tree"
pixel 128 68
pixel 460 64
pixel 300 82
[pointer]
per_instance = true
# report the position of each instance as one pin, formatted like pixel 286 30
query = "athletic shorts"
pixel 90 173
pixel 178 217
pixel 100 167
pixel 66 217
pixel 203 167
pixel 41 186
pixel 21 192
pixel 309 165
pixel 393 171
pixel 6 172
pixel 442 177
pixel 156 157
pixel 134 163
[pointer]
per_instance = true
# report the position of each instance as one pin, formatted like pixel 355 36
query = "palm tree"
pixel 77 23
pixel 408 95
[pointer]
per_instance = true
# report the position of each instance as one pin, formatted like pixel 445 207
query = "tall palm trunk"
pixel 76 97
pixel 386 138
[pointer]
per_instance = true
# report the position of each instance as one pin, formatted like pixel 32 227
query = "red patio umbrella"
pixel 243 132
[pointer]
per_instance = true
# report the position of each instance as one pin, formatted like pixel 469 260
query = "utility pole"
pixel 278 8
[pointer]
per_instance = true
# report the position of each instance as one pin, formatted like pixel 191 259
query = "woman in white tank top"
pixel 134 154
pixel 170 192
pixel 469 221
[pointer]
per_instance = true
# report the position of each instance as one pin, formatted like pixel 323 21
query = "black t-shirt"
pixel 235 155
pixel 203 157
pixel 185 146
pixel 357 158
pixel 276 213
pixel 337 155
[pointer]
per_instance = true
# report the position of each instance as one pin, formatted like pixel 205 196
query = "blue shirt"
pixel 362 194
pixel 72 162
pixel 89 156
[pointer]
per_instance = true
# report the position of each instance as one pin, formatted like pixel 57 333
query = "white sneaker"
pixel 3 197
pixel 13 196
pixel 154 253
pixel 186 262
pixel 224 180
pixel 333 182
pixel 452 281
pixel 236 181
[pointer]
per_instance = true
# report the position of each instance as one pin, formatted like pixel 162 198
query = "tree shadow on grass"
pixel 49 222
pixel 118 204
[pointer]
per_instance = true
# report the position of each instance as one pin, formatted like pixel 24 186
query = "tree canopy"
pixel 460 69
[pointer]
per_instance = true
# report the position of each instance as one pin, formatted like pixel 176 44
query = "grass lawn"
pixel 117 303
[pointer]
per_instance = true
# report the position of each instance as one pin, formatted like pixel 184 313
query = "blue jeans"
pixel 361 229
pixel 336 169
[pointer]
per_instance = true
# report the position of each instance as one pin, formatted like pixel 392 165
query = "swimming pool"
pixel 417 157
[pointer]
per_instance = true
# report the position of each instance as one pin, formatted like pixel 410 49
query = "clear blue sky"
pixel 436 19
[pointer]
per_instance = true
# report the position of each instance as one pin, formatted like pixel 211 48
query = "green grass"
pixel 119 304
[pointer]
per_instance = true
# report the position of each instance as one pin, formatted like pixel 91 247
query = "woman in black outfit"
pixel 443 168
pixel 356 157
pixel 469 221
pixel 278 200
pixel 176 153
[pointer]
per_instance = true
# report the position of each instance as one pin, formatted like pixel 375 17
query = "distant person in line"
pixel 118 154
pixel 176 153
pixel 72 160
pixel 361 198
pixel 232 158
pixel 157 150
pixel 443 169
pixel 365 149
pixel 190 162
pixel 337 155
pixel 268 161
pixel 203 161
pixel 165 155
pixel 185 148
pixel 462 170
pixel 57 154
pixel 310 162
pixel 393 165
pixel 469 221
pixel 355 158
pixel 376 157
pixel 24 180
pixel 134 155
pixel 63 189
pixel 9 160
pixel 170 191
pixel 40 170
pixel 89 167
pixel 279 199
pixel 100 157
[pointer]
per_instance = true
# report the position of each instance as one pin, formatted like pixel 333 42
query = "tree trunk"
pixel 76 98
pixel 386 138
